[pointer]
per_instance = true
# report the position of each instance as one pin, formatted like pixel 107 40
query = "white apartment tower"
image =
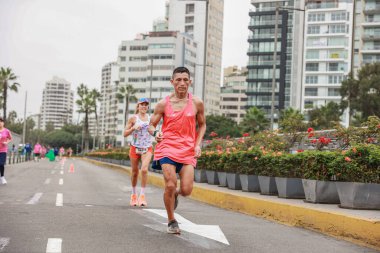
pixel 57 103
pixel 366 33
pixel 147 63
pixel 233 97
pixel 190 17
pixel 328 51
pixel 108 113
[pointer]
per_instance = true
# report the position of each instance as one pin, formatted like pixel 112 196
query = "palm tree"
pixel 85 104
pixel 7 81
pixel 254 121
pixel 95 98
pixel 127 92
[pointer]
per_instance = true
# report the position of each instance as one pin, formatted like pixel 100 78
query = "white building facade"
pixel 108 111
pixel 57 103
pixel 147 63
pixel 328 51
pixel 190 17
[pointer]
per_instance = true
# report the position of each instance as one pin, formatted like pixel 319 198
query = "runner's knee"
pixel 171 187
pixel 186 190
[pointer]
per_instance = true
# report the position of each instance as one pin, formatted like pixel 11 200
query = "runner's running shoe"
pixel 142 201
pixel 173 227
pixel 3 181
pixel 133 201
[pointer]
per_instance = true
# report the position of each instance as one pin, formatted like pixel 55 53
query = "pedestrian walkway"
pixel 359 226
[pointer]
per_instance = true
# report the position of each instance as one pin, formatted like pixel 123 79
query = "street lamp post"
pixel 151 80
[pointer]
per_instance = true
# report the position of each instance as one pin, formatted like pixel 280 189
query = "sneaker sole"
pixel 177 232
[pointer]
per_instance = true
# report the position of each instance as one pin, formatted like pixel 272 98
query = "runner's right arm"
pixel 158 113
pixel 130 127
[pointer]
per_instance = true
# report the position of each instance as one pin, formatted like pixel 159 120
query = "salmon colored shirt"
pixel 179 134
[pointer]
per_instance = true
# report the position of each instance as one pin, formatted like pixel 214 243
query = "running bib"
pixel 141 150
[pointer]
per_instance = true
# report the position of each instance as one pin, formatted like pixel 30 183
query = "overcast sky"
pixel 74 39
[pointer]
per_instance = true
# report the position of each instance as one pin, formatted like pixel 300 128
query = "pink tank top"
pixel 179 130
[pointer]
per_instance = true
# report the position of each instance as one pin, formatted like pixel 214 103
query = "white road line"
pixel 3 243
pixel 61 172
pixel 59 200
pixel 47 181
pixel 54 245
pixel 61 181
pixel 35 199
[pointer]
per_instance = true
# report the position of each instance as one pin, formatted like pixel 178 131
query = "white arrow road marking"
pixel 212 232
pixel 59 200
pixel 54 245
pixel 47 181
pixel 34 199
pixel 3 243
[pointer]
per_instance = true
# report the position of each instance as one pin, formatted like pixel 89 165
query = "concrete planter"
pixel 222 177
pixel 200 176
pixel 233 181
pixel 317 191
pixel 249 183
pixel 290 188
pixel 267 185
pixel 212 177
pixel 359 195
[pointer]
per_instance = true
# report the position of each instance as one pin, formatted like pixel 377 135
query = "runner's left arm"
pixel 201 121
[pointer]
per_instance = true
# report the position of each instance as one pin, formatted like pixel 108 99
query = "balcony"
pixel 330 5
pixel 371 37
pixel 374 9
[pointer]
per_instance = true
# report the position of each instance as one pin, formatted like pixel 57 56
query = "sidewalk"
pixel 358 226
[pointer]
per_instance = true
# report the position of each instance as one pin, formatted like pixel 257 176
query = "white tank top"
pixel 141 138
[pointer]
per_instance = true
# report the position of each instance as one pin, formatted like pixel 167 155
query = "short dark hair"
pixel 1 119
pixel 181 70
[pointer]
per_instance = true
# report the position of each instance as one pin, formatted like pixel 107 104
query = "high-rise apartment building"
pixel 190 17
pixel 57 103
pixel 328 51
pixel 108 111
pixel 233 98
pixel 147 63
pixel 288 62
pixel 366 33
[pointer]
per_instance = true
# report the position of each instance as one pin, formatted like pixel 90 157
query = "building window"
pixel 339 28
pixel 333 92
pixel 189 19
pixel 123 48
pixel 312 92
pixel 313 29
pixel 162 45
pixel 309 104
pixel 138 48
pixel 189 8
pixel 311 79
pixel 312 66
pixel 338 16
pixel 189 28
pixel 335 79
pixel 313 17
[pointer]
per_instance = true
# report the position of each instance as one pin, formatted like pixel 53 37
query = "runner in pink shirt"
pixel 37 152
pixel 179 143
pixel 5 138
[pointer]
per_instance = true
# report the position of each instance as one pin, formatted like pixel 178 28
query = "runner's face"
pixel 181 82
pixel 143 107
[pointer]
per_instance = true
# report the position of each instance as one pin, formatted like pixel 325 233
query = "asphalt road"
pixel 75 206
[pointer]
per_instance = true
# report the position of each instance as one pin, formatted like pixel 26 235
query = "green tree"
pixel 49 127
pixel 58 138
pixel 85 104
pixel 363 93
pixel 292 124
pixel 127 92
pixel 326 116
pixel 254 121
pixel 221 125
pixel 7 81
pixel 95 99
pixel 73 128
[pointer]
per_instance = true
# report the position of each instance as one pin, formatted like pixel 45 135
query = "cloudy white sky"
pixel 73 39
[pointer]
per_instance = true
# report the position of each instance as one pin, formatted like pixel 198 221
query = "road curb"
pixel 358 230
